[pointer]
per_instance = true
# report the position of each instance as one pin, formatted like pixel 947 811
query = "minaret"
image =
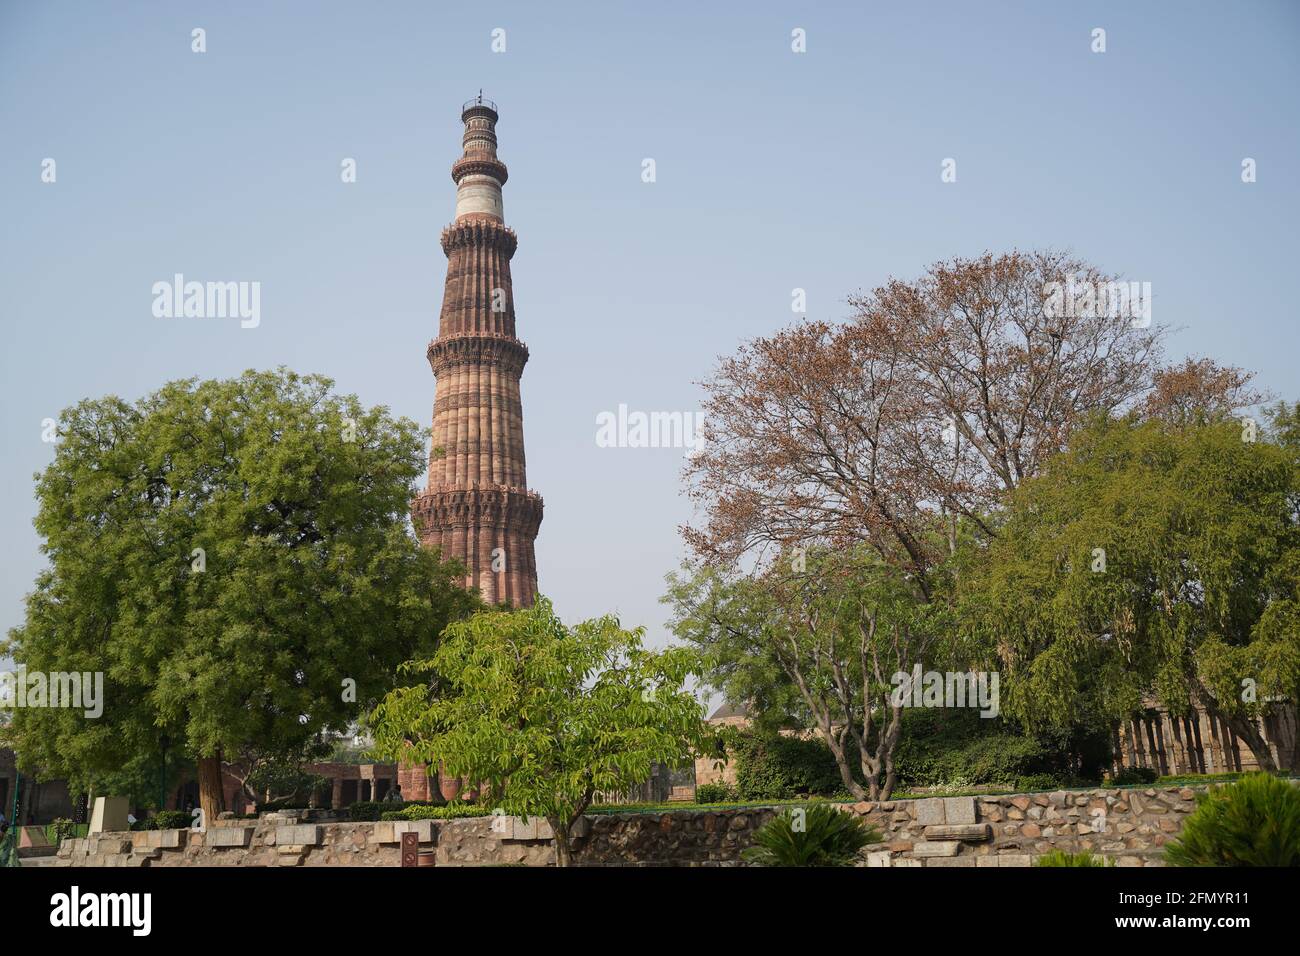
pixel 477 507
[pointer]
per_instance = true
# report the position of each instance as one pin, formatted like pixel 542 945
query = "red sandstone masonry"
pixel 477 499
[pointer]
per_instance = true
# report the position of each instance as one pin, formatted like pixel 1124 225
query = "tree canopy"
pixel 236 558
pixel 1150 559
pixel 544 716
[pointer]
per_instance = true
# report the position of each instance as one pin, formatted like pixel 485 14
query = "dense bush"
pixel 371 810
pixel 777 767
pixel 424 811
pixel 1061 858
pixel 173 820
pixel 715 793
pixel 952 748
pixel 956 747
pixel 816 835
pixel 1130 776
pixel 1036 781
pixel 1253 822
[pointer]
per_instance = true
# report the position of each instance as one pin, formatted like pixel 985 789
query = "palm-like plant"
pixel 818 835
pixel 1253 822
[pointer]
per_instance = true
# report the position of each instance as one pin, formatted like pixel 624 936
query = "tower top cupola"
pixel 478 174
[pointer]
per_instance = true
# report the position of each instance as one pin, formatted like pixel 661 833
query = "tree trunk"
pixel 211 794
pixel 842 764
pixel 563 856
pixel 1243 727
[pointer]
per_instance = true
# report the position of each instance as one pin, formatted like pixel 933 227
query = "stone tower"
pixel 477 507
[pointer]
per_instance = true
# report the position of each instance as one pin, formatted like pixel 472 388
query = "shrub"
pixel 1254 822
pixel 1130 776
pixel 173 820
pixel 367 810
pixel 61 829
pixel 424 811
pixel 818 835
pixel 777 767
pixel 715 793
pixel 958 748
pixel 1061 858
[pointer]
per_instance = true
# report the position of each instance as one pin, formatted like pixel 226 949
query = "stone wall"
pixel 686 838
pixel 1129 826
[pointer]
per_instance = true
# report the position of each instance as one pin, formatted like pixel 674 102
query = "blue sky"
pixel 775 170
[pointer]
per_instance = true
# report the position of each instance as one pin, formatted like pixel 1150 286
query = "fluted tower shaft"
pixel 477 507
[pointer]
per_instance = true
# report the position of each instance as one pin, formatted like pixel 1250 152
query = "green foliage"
pixel 939 748
pixel 371 810
pixel 1253 822
pixel 813 641
pixel 817 835
pixel 173 820
pixel 781 767
pixel 451 811
pixel 1130 776
pixel 308 574
pixel 347 754
pixel 64 829
pixel 1062 858
pixel 541 715
pixel 280 786
pixel 1148 559
pixel 715 793
pixel 955 747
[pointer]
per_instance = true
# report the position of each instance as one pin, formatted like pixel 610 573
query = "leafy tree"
pixel 232 555
pixel 1197 391
pixel 1151 558
pixel 542 715
pixel 832 627
pixel 284 784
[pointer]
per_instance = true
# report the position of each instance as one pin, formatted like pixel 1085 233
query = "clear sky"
pixel 775 170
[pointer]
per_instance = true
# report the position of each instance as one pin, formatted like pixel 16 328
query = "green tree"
pixel 541 715
pixel 1152 558
pixel 820 635
pixel 236 558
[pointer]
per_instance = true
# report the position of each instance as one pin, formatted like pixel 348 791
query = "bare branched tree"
pixel 939 396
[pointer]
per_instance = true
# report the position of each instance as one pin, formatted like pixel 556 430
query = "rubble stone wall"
pixel 1129 826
